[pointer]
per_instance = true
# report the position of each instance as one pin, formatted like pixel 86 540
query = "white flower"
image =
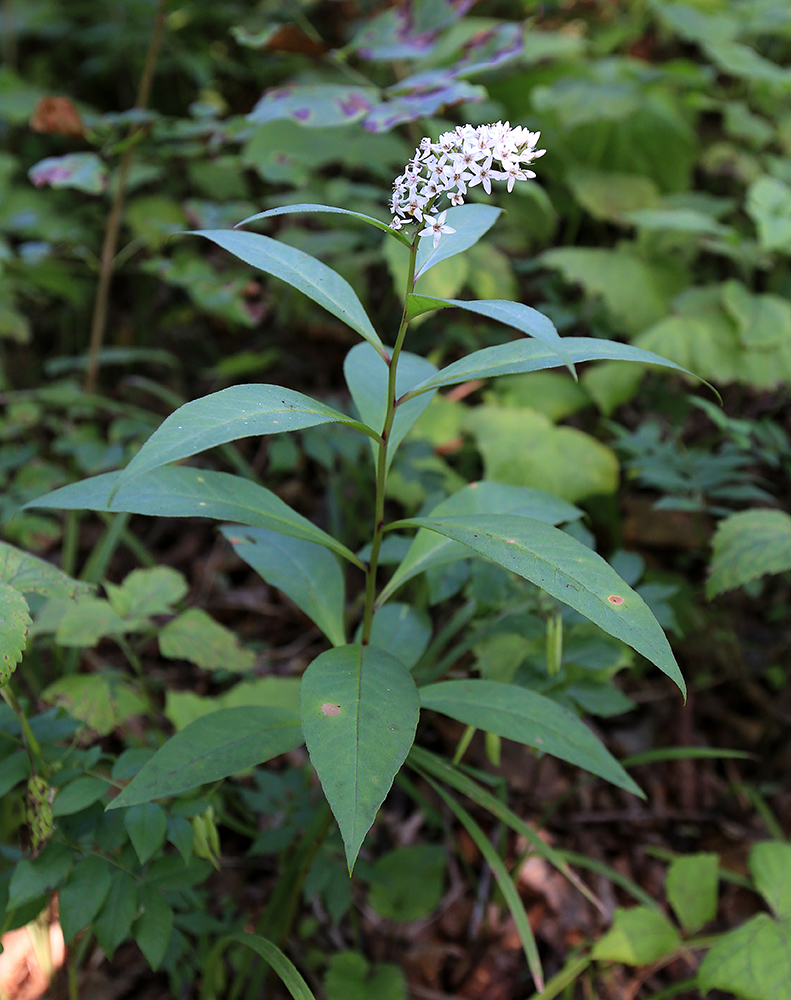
pixel 436 227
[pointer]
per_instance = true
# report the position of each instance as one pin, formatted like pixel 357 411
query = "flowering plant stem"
pixel 381 462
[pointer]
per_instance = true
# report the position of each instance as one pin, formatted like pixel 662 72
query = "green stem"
pixel 31 743
pixel 381 462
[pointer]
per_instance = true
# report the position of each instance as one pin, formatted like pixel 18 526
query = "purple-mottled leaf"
pixel 490 49
pixel 423 102
pixel 314 104
pixel 82 171
pixel 408 32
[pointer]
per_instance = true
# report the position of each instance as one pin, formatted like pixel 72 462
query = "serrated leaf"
pixel 367 374
pixel 153 927
pixel 213 747
pixel 101 701
pixel 237 412
pixel 301 271
pixel 15 620
pixel 307 573
pixel 300 209
pixel 748 545
pixel 359 708
pixel 196 636
pixel 430 549
pixel 471 222
pixel 150 591
pixel 770 864
pixel 30 575
pixel 691 889
pixel 568 571
pixel 83 895
pixel 638 936
pixel 146 825
pixel 181 491
pixel 522 715
pixel 753 961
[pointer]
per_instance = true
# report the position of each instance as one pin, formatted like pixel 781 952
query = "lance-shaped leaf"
pixel 237 412
pixel 470 223
pixel 430 549
pixel 181 491
pixel 518 714
pixel 214 746
pixel 301 271
pixel 515 314
pixel 359 709
pixel 306 572
pixel 367 377
pixel 301 209
pixel 568 571
pixel 521 356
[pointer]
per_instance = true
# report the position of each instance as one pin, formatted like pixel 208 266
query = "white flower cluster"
pixel 459 160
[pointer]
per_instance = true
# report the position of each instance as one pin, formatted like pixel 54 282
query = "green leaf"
pixel 213 747
pixel 608 195
pixel 294 209
pixel 638 936
pixel 519 356
pixel 83 895
pixel 429 549
pixel 180 491
pixel 153 927
pixel 184 707
pixel 301 271
pixel 359 709
pixel 114 922
pixel 78 795
pixel 89 620
pixel 237 412
pixel 307 573
pixel 79 171
pixel 568 571
pixel 691 889
pixel 753 961
pixel 367 374
pixel 101 701
pixel 32 878
pixel 150 591
pixel 746 546
pixel 196 636
pixel 470 222
pixel 350 977
pixel 522 715
pixel 407 883
pixel 270 953
pixel 514 314
pixel 770 864
pixel 30 575
pixel 15 769
pixel 15 620
pixel 146 825
pixel 402 630
pixel 769 206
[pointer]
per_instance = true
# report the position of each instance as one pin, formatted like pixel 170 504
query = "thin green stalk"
pixel 381 462
pixel 31 743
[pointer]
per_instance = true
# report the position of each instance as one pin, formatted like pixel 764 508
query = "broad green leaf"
pixel 769 206
pixel 638 936
pixel 522 715
pixel 14 769
pixel 691 889
pixel 153 927
pixel 83 895
pixel 367 374
pixel 195 636
pixel 89 620
pixel 184 707
pixel 514 314
pixel 470 221
pixel 237 412
pixel 78 795
pixel 101 701
pixel 430 549
pixel 146 825
pixel 764 321
pixel 30 575
pixel 525 448
pixel 519 356
pixel 150 591
pixel 15 620
pixel 568 571
pixel 294 209
pixel 79 171
pixel 301 271
pixel 350 977
pixel 114 922
pixel 181 491
pixel 770 864
pixel 678 220
pixel 407 883
pixel 213 747
pixel 315 104
pixel 747 545
pixel 270 953
pixel 359 709
pixel 35 877
pixel 309 574
pixel 753 961
pixel 608 195
pixel 402 630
